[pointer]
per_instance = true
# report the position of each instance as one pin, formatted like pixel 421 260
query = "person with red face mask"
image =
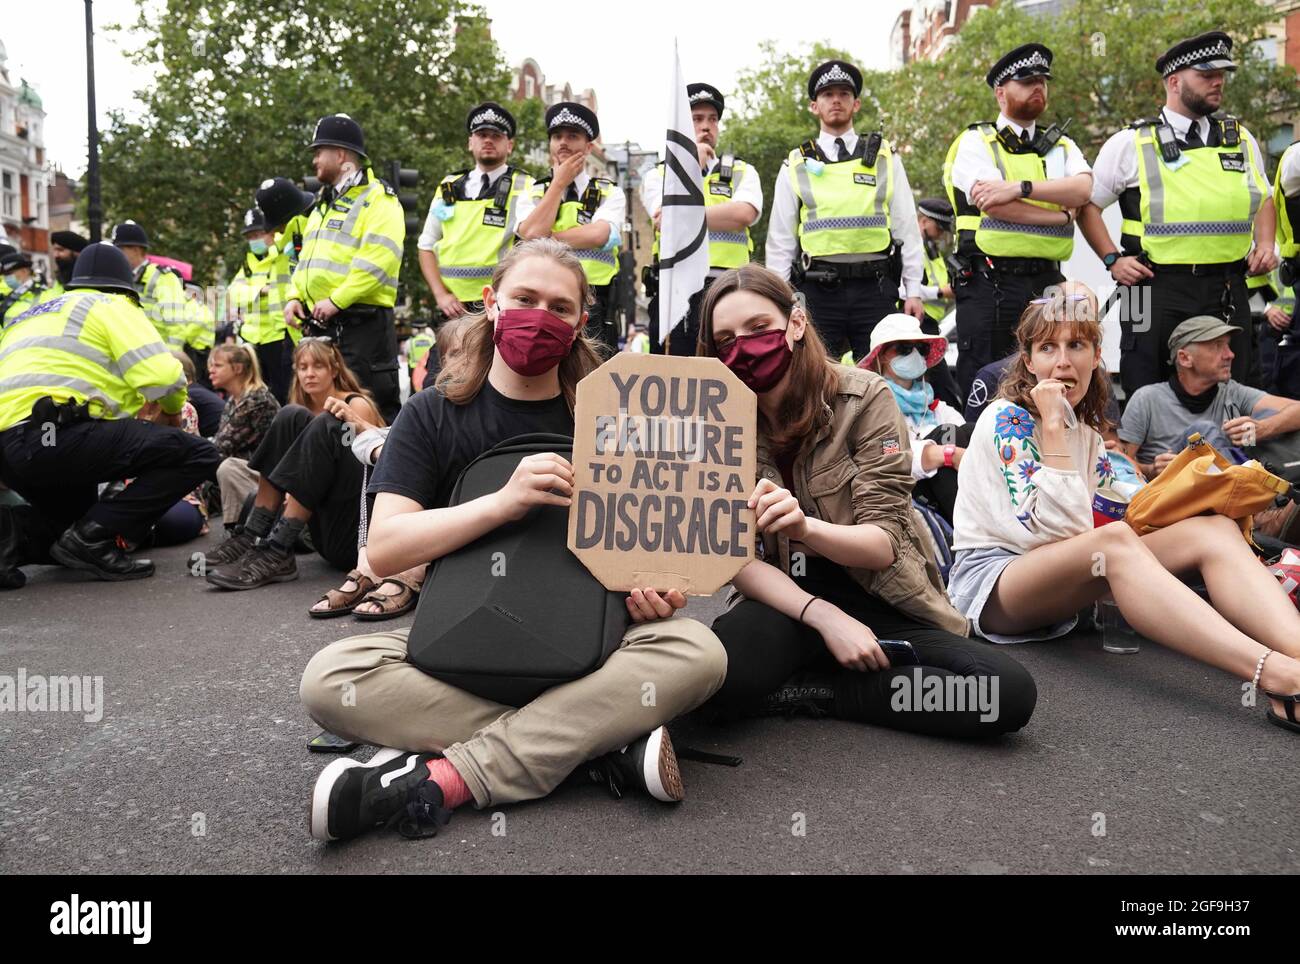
pixel 517 372
pixel 841 566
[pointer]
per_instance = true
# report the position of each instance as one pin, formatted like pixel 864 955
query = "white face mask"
pixel 909 366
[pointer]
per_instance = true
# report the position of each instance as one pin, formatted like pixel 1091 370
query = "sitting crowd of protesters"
pixel 842 452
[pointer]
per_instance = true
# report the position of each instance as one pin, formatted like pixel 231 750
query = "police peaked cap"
pixel 491 116
pixel 11 257
pixel 339 130
pixel 574 116
pixel 1209 51
pixel 1027 60
pixel 130 233
pixel 104 268
pixel 834 72
pixel 936 209
pixel 705 94
pixel 280 199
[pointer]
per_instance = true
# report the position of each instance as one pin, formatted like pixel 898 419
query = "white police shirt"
pixel 1116 169
pixel 973 162
pixel 782 228
pixel 748 189
pixel 1291 173
pixel 432 232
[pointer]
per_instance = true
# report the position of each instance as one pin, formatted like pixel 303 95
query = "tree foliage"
pixel 240 85
pixel 1103 77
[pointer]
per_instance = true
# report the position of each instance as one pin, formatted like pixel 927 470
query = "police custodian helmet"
pixel 130 233
pixel 104 268
pixel 280 199
pixel 339 130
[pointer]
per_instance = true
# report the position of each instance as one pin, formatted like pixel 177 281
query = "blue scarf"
pixel 915 402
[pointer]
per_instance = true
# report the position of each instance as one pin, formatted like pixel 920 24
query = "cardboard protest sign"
pixel 664 462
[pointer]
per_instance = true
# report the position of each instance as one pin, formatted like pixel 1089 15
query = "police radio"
pixel 874 140
pixel 1231 131
pixel 1048 137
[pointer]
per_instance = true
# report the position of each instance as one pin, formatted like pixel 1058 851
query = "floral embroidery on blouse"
pixel 1105 471
pixel 1013 439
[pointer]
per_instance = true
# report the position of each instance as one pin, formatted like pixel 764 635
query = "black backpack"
pixel 510 636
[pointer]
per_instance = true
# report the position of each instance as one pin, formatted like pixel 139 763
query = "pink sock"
pixel 454 790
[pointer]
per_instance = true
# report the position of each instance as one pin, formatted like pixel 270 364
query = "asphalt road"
pixel 201 717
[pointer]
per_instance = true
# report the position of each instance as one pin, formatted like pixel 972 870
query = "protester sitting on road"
pixel 1201 397
pixel 207 403
pixel 445 747
pixel 368 597
pixel 902 353
pixel 1028 557
pixel 308 477
pixel 249 411
pixel 842 565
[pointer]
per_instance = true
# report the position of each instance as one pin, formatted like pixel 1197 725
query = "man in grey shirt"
pixel 1200 397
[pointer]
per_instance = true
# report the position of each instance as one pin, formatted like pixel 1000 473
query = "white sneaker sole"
pixel 662 777
pixel 320 796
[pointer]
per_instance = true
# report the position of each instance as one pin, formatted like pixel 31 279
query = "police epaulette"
pixel 1146 122
pixel 808 149
pixel 455 175
pixel 542 181
pixel 978 124
pixel 388 188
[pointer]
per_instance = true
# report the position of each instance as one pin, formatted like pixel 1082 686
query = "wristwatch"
pixel 1110 259
pixel 1026 188
pixel 948 452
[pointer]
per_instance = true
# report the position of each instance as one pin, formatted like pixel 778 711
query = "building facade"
pixel 24 180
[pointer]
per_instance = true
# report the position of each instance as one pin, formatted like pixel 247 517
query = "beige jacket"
pixel 857 468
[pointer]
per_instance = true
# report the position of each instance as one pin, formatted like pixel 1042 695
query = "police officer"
pixel 257 293
pixel 733 201
pixel 843 218
pixel 64 248
pixel 472 218
pixel 1279 342
pixel 76 369
pixel 345 282
pixel 934 219
pixel 162 292
pixel 1191 187
pixel 20 288
pixel 584 212
pixel 1014 187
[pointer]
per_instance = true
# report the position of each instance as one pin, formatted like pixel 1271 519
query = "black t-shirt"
pixel 433 439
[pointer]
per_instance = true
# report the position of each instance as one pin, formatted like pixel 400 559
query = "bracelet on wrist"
pixel 806 605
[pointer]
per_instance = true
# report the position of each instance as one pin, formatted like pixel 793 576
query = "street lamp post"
pixel 95 213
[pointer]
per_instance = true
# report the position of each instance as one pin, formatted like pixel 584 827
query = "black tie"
pixel 1024 136
pixel 844 151
pixel 483 186
pixel 571 194
pixel 1194 135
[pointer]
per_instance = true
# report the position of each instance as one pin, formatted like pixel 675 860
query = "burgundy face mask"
pixel 759 360
pixel 532 340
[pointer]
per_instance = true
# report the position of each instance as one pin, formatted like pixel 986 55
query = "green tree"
pixel 240 85
pixel 1104 78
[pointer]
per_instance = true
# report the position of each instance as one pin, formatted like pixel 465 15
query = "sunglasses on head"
pixel 1063 297
pixel 326 339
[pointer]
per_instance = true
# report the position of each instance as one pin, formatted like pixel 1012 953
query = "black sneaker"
pixel 259 566
pixel 90 547
pixel 649 764
pixel 804 694
pixel 232 550
pixel 392 788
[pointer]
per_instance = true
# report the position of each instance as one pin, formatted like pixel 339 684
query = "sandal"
pixel 343 601
pixel 398 604
pixel 1290 723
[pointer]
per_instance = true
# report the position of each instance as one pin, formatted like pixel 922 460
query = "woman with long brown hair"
pixel 1028 557
pixel 842 567
pixel 443 747
pixel 247 417
pixel 308 478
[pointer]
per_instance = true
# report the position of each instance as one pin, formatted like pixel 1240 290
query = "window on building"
pixel 530 86
pixel 9 201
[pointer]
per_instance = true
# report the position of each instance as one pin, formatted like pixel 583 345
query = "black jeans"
pixel 941 488
pixel 59 479
pixel 1157 306
pixel 366 336
pixel 845 312
pixel 989 306
pixel 602 320
pixel 276 361
pixel 764 648
pixel 307 457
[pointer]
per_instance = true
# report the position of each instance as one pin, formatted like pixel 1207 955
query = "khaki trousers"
pixel 237 483
pixel 364 689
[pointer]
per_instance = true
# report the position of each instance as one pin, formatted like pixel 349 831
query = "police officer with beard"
pixel 64 248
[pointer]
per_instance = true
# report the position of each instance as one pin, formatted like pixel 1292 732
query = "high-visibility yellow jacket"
pixel 600 264
pixel 87 346
pixel 1287 217
pixel 11 305
pixel 727 249
pixel 259 291
pixel 352 248
pixel 843 205
pixel 479 232
pixel 163 301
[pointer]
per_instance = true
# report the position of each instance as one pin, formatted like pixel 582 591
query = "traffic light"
pixel 401 177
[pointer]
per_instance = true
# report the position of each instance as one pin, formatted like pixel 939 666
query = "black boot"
pixel 90 547
pixel 11 577
pixel 804 694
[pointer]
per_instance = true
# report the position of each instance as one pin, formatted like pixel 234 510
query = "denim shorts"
pixel 971 580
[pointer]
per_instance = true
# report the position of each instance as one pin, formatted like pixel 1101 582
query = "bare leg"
pixel 293 509
pixel 1053 582
pixel 268 496
pixel 1244 592
pixel 415 575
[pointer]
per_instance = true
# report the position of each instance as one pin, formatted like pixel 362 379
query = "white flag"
pixel 683 234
